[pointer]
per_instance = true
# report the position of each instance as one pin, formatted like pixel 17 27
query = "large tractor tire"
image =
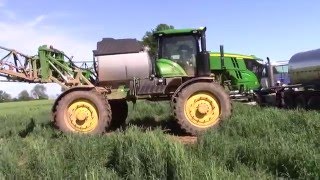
pixel 83 111
pixel 201 106
pixel 119 110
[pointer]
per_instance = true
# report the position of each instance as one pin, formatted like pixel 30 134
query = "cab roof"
pixel 243 56
pixel 179 31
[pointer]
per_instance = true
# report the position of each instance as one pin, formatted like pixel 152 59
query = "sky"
pixel 276 28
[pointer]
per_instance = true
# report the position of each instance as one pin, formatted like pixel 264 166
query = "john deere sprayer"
pixel 239 74
pixel 96 100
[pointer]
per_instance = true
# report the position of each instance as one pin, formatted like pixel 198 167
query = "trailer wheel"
pixel 119 110
pixel 83 112
pixel 300 102
pixel 258 99
pixel 201 106
pixel 313 103
pixel 289 100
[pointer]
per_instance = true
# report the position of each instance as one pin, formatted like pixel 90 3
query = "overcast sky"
pixel 274 28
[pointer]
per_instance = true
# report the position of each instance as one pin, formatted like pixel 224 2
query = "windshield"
pixel 281 73
pixel 182 50
pixel 255 67
pixel 281 69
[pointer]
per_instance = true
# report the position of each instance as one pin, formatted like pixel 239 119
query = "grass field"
pixel 255 143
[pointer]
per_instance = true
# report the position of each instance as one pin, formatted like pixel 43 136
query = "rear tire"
pixel 119 110
pixel 201 106
pixel 82 111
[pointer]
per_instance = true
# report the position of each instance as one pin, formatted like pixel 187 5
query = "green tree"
pixel 149 40
pixel 4 97
pixel 39 92
pixel 24 96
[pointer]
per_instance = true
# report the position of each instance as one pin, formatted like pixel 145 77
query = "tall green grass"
pixel 255 143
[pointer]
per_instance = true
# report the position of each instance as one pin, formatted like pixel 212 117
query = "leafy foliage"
pixel 39 92
pixel 149 40
pixel 24 96
pixel 4 97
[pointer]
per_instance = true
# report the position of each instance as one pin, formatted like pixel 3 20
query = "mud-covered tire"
pixel 101 106
pixel 119 110
pixel 217 91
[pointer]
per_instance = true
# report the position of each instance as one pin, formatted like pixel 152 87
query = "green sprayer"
pixel 195 81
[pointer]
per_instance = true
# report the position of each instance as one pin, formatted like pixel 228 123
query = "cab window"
pixel 182 50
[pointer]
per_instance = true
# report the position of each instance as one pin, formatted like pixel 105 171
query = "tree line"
pixel 38 92
pixel 149 40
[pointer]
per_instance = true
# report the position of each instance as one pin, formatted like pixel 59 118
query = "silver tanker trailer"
pixel 303 89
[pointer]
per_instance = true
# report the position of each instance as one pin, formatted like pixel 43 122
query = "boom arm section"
pixel 49 66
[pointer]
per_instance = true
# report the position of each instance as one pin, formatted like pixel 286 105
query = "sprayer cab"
pixel 187 48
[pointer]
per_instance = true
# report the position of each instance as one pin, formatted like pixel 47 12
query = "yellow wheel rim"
pixel 82 116
pixel 202 109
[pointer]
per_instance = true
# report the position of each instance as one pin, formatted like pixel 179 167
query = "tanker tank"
pixel 121 60
pixel 304 68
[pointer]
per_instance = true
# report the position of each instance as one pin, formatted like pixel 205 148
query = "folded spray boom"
pixel 48 66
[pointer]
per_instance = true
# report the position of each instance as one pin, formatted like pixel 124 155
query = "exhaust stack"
pixel 270 73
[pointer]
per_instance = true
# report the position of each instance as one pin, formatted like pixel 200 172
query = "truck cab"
pixel 281 72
